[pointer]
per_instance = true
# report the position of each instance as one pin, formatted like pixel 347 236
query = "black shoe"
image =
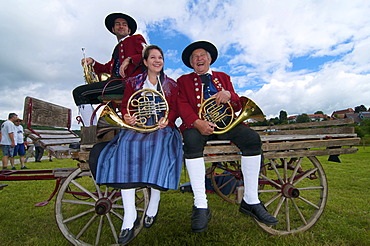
pixel 149 221
pixel 24 167
pixel 200 218
pixel 13 168
pixel 259 212
pixel 126 235
pixel 37 161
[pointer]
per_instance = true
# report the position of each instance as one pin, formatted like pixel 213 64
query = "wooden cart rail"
pixel 56 141
pixel 295 140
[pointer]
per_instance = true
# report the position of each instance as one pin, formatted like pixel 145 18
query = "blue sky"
pixel 292 55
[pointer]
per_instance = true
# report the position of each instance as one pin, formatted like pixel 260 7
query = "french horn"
pixel 223 114
pixel 148 106
pixel 89 73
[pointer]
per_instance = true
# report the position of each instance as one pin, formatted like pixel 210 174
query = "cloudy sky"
pixel 292 55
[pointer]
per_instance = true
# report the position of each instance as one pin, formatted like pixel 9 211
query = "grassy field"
pixel 345 220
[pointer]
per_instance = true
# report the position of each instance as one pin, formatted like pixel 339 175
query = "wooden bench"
pixel 58 136
pixel 332 137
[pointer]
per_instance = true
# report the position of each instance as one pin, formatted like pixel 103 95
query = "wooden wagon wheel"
pixel 295 191
pixel 89 214
pixel 226 177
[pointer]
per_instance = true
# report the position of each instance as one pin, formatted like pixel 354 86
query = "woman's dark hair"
pixel 146 52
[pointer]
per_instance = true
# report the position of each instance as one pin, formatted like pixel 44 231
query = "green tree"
pixel 319 112
pixel 283 116
pixel 360 109
pixel 302 118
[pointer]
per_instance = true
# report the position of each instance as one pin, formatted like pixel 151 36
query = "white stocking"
pixel 130 214
pixel 86 111
pixel 155 197
pixel 197 173
pixel 251 169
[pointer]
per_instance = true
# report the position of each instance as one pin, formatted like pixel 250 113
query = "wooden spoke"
pixel 270 180
pixel 86 226
pixel 276 171
pixel 299 212
pixel 78 215
pixel 112 227
pixel 78 202
pixel 287 214
pixel 298 165
pixel 85 190
pixel 308 202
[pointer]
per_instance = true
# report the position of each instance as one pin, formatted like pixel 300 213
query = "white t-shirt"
pixel 6 128
pixel 19 134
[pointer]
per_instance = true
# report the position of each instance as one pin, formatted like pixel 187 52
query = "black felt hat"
pixel 199 45
pixel 109 21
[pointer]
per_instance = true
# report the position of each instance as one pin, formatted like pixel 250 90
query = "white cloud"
pixel 41 47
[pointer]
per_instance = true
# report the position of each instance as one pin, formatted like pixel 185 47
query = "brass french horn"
pixel 223 114
pixel 143 105
pixel 89 73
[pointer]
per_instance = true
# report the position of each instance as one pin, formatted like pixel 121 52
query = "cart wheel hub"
pixel 289 191
pixel 103 206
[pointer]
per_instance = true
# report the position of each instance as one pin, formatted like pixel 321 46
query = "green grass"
pixel 345 220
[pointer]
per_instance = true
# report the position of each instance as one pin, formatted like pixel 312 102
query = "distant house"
pixel 364 115
pixel 341 114
pixel 312 117
pixel 357 117
pixel 318 117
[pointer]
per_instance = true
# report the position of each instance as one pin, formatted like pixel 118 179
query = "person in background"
pixel 125 62
pixel 7 139
pixel 30 149
pixel 39 152
pixel 194 88
pixel 20 148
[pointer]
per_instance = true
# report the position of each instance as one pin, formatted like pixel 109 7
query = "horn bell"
pixel 250 110
pixel 143 107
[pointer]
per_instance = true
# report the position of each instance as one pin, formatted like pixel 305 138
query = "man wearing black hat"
pixel 125 62
pixel 194 88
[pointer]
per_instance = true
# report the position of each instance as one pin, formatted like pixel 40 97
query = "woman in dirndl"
pixel 134 159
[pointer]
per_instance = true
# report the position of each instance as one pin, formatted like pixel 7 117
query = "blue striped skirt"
pixel 135 159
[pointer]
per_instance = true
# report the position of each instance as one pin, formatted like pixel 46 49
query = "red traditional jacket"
pixel 190 95
pixel 170 90
pixel 131 46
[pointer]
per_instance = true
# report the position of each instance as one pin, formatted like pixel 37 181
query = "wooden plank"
pixel 310 144
pixel 63 172
pixel 46 142
pixel 313 131
pixel 221 158
pixel 280 138
pixel 66 136
pixel 38 112
pixel 52 132
pixel 313 152
pixel 279 146
pixel 325 123
pixel 284 154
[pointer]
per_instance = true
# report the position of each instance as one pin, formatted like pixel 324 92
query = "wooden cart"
pixel 293 185
pixel 292 182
